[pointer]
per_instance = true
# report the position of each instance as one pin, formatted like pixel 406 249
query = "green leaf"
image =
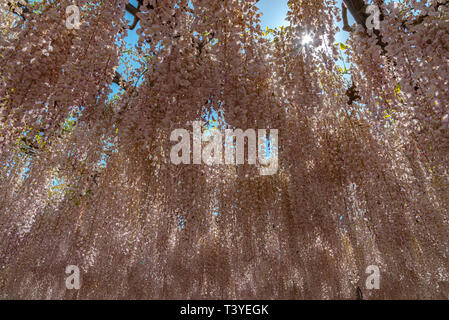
pixel 397 90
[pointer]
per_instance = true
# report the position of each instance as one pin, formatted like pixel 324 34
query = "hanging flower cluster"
pixel 87 180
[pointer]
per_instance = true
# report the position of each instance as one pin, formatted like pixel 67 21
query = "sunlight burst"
pixel 306 39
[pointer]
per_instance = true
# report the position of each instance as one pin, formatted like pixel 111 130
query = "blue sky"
pixel 274 12
pixel 273 15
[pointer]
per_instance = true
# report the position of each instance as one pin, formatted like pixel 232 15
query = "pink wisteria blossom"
pixel 87 180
